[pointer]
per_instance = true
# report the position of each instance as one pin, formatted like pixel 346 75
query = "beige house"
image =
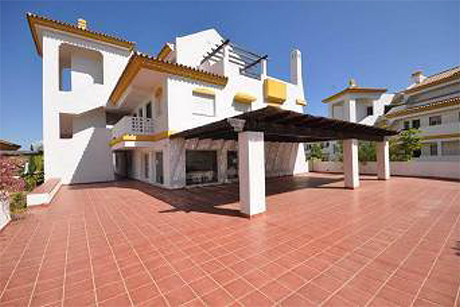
pixel 431 104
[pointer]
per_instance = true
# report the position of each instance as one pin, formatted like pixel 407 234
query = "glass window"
pixel 203 105
pixel 148 110
pixel 146 166
pixel 433 149
pixel 406 125
pixel 435 120
pixel 450 148
pixel 369 111
pixel 200 166
pixel 141 112
pixel 159 167
pixel 232 164
pixel 416 123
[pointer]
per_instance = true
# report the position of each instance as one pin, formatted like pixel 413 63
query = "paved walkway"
pixel 393 243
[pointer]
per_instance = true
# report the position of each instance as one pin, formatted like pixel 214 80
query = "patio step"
pixel 44 193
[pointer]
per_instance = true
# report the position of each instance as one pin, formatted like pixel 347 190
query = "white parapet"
pixel 251 172
pixel 351 163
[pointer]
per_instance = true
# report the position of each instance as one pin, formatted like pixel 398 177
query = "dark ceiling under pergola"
pixel 281 125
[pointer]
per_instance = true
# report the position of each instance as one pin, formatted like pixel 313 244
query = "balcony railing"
pixel 133 125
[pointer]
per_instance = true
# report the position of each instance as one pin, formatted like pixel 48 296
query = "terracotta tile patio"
pixel 393 243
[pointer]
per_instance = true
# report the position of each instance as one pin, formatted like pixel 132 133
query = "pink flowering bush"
pixel 10 175
pixel 12 185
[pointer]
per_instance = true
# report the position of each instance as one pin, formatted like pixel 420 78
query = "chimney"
pixel 82 23
pixel 296 67
pixel 418 77
pixel 352 83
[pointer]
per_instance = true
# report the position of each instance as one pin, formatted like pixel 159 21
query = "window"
pixel 406 125
pixel 416 123
pixel 450 148
pixel 433 149
pixel 141 112
pixel 435 120
pixel 159 167
pixel 148 110
pixel 369 111
pixel 65 126
pixel 232 164
pixel 200 166
pixel 203 105
pixel 146 166
pixel 417 153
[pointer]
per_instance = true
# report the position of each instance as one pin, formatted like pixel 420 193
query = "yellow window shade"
pixel 203 91
pixel 275 91
pixel 244 98
pixel 301 102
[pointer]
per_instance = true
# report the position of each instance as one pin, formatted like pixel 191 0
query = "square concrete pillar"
pixel 350 110
pixel 351 163
pixel 251 162
pixel 383 160
pixel 174 164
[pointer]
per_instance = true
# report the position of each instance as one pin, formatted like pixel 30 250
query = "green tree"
pixel 367 151
pixel 316 152
pixel 402 148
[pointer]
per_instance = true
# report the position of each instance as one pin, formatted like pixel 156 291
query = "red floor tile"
pixel 384 244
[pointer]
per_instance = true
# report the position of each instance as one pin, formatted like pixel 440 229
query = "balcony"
pixel 133 125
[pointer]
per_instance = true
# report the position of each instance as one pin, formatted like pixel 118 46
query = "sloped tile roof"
pixel 403 110
pixel 435 79
pixel 36 20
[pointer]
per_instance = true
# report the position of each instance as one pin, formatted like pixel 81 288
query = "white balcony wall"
pixel 133 125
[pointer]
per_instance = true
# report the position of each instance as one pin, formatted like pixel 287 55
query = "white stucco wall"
pixel 436 169
pixel 4 213
pixel 86 157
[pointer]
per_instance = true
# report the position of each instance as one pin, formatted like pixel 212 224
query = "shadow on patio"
pixel 217 199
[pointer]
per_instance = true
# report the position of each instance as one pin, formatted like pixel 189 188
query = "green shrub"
pixel 35 172
pixel 18 203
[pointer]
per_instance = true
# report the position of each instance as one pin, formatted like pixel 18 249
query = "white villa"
pixel 363 105
pixel 430 104
pixel 202 111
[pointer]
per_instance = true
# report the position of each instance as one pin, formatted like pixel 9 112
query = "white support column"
pixel 383 160
pixel 351 163
pixel 350 110
pixel 251 172
pixel 174 164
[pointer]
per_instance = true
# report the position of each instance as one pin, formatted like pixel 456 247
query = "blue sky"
pixel 377 43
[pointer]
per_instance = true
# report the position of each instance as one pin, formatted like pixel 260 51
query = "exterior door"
pixel 146 166
pixel 159 167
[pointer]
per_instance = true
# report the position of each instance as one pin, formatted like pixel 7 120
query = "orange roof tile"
pixel 35 20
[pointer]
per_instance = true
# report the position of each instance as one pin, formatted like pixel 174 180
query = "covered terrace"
pixel 274 124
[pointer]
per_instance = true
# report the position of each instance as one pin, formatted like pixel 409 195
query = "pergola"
pixel 274 124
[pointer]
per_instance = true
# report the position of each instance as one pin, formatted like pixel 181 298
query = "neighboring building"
pixel 5 145
pixel 430 104
pixel 109 110
pixel 356 104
